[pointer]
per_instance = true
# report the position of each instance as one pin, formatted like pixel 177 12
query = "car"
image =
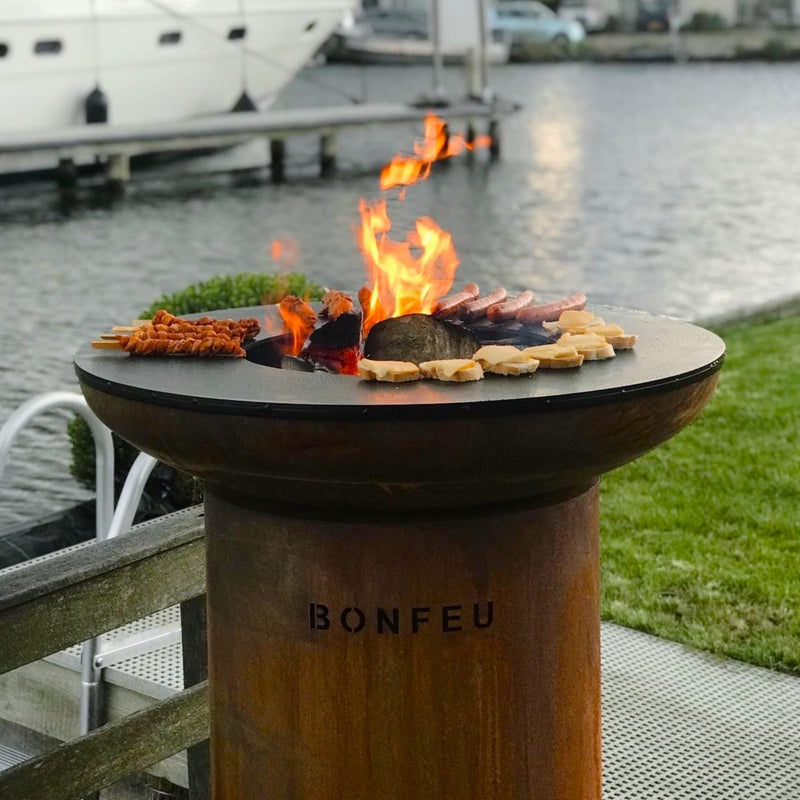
pixel 587 14
pixel 522 22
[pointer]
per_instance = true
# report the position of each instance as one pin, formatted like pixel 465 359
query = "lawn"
pixel 701 537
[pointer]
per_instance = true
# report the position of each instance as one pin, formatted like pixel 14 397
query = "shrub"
pixel 169 489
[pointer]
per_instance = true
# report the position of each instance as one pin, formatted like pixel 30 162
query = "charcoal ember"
pixel 418 338
pixel 338 334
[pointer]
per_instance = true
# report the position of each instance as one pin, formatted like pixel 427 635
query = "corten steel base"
pixel 450 656
pixel 357 535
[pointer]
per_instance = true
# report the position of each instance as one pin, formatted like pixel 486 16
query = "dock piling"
pixel 327 154
pixel 494 132
pixel 66 174
pixel 277 164
pixel 118 170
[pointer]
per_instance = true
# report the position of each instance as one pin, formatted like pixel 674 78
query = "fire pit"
pixel 403 579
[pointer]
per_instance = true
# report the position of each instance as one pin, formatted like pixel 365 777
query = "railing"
pixel 50 605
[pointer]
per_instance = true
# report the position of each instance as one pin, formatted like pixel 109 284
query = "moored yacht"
pixel 153 60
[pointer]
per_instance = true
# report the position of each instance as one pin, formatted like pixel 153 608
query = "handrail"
pixel 103 445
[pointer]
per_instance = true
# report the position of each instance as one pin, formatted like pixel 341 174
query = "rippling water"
pixel 672 189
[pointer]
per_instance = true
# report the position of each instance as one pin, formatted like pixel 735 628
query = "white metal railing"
pixel 109 522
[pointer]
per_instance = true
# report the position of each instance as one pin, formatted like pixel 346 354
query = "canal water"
pixel 673 189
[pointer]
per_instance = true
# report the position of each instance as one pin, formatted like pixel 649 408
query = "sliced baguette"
pixel 452 369
pixel 491 354
pixel 591 346
pixel 388 371
pixel 514 367
pixel 555 356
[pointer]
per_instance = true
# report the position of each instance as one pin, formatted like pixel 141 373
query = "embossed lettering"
pixel 489 615
pixel 451 615
pixel 318 617
pixel 392 624
pixel 417 617
pixel 359 614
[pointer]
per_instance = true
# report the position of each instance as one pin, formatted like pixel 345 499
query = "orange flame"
pixel 435 145
pixel 300 319
pixel 402 282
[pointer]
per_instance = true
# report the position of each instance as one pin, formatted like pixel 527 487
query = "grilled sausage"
pixel 448 306
pixel 535 315
pixel 502 312
pixel 476 309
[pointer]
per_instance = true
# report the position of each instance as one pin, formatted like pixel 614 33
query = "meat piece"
pixel 298 310
pixel 476 309
pixel 450 305
pixel 187 346
pixel 503 312
pixel 336 303
pixel 536 315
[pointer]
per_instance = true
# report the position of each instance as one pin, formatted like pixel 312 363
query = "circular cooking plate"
pixel 669 354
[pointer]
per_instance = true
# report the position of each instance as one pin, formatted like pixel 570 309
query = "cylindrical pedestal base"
pixel 421 658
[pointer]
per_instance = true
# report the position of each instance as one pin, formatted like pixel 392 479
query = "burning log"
pixel 418 338
pixel 336 303
pixel 336 344
pixel 299 318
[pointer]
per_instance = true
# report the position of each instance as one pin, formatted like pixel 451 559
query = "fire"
pixel 409 277
pixel 435 145
pixel 300 319
pixel 401 281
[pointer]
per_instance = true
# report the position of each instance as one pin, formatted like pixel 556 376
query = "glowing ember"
pixel 299 318
pixel 436 144
pixel 403 282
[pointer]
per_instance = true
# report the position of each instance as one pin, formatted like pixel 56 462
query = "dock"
pixel 117 145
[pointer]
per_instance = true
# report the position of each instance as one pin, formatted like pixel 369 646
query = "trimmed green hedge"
pixel 168 489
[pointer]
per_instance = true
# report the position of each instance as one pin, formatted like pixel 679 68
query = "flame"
pixel 300 319
pixel 436 144
pixel 402 282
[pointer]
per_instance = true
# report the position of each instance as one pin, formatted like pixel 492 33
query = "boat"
pixel 151 61
pixel 401 35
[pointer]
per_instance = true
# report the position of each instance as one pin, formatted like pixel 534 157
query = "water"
pixel 673 189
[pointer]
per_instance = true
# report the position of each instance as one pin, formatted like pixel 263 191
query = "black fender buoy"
pixel 244 103
pixel 96 107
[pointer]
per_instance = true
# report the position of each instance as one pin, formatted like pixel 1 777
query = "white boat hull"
pixel 145 80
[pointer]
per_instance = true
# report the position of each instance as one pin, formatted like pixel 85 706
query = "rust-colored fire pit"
pixel 403 580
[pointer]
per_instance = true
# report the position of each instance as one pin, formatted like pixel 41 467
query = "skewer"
pixel 111 336
pixel 105 344
pixel 124 328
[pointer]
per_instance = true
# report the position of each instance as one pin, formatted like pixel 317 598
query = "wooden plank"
pixel 44 697
pixel 90 763
pixel 53 604
pixel 195 670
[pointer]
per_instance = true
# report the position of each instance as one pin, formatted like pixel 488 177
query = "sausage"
pixel 502 312
pixel 476 309
pixel 535 315
pixel 448 306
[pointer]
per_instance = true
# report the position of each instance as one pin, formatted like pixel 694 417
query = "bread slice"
pixel 515 367
pixel 388 371
pixel 573 322
pixel 452 369
pixel 554 356
pixel 614 335
pixel 491 354
pixel 591 346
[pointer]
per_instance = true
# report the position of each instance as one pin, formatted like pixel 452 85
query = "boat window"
pixel 48 47
pixel 170 37
pixel 311 25
pixel 237 33
pixel 3 49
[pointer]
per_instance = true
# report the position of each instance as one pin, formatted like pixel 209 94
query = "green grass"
pixel 701 537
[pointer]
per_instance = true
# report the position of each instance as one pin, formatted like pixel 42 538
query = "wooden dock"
pixel 116 145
